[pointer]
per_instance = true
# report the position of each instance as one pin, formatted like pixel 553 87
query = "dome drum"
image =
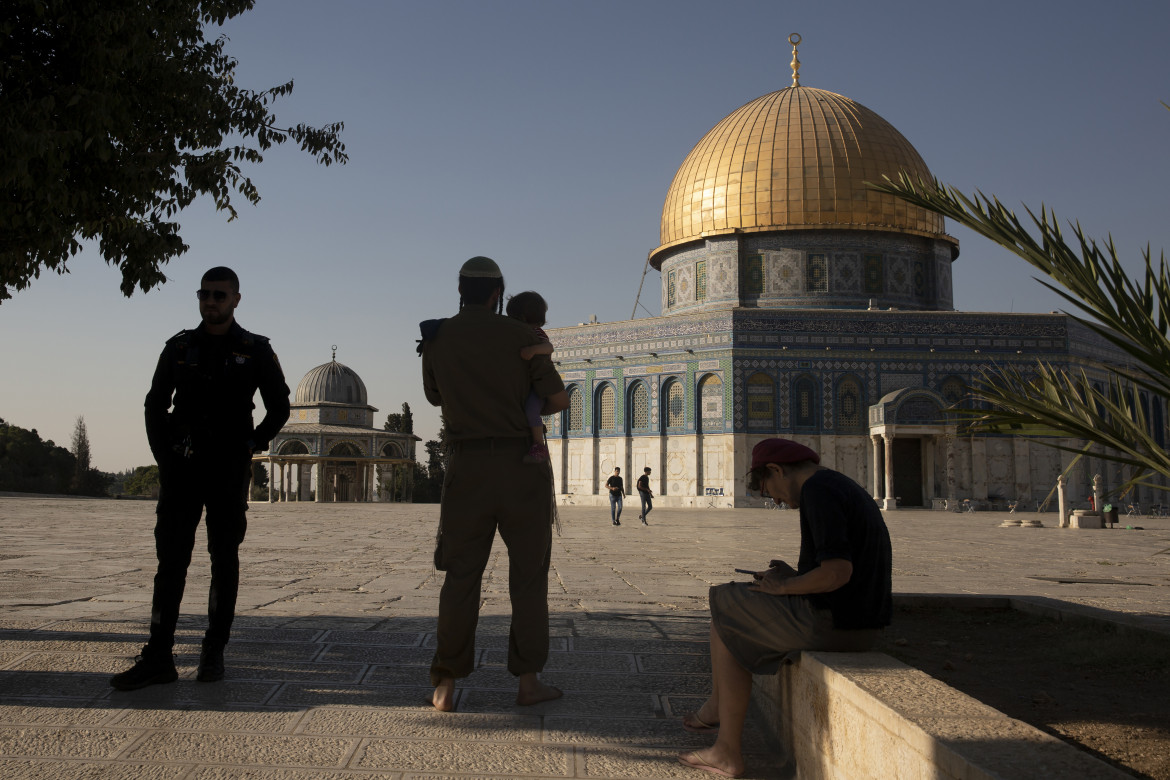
pixel 798 161
pixel 809 268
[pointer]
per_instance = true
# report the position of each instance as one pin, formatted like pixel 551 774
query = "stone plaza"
pixel 327 670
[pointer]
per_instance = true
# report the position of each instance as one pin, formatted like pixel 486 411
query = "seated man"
pixel 837 598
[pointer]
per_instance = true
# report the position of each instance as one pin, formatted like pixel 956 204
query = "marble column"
pixel 875 441
pixel 890 501
pixel 952 486
pixel 928 472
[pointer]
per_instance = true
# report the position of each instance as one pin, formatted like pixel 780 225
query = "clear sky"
pixel 545 134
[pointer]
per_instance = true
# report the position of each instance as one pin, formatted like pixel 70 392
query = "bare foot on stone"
pixel 713 760
pixel 444 698
pixel 533 691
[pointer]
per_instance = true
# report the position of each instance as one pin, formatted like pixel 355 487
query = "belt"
pixel 489 444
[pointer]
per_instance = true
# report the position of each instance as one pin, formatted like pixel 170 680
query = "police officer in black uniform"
pixel 203 445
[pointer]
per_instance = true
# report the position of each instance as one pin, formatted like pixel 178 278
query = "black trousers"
pixel 187 487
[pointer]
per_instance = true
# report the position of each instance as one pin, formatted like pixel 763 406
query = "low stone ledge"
pixel 869 716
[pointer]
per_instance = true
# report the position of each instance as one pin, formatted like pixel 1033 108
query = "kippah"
pixel 481 268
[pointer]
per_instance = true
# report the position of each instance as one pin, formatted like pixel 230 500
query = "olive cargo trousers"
pixel 488 488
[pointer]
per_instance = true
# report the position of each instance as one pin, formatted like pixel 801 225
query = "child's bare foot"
pixel 533 691
pixel 444 697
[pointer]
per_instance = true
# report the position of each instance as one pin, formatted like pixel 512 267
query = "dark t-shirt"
pixel 616 482
pixel 838 519
pixel 644 483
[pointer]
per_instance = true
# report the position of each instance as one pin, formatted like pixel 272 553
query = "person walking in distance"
pixel 199 425
pixel 617 491
pixel 472 368
pixel 645 494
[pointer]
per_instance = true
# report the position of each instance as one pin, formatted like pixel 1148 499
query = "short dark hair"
pixel 221 273
pixel 615 468
pixel 478 289
pixel 646 470
pixel 756 476
pixel 528 307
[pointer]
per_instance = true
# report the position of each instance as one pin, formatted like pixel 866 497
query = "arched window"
pixel 294 447
pixel 391 450
pixel 675 409
pixel 850 405
pixel 605 409
pixel 953 390
pixel 576 409
pixel 711 402
pixel 804 403
pixel 346 449
pixel 761 402
pixel 639 407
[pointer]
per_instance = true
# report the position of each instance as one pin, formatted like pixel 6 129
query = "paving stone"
pixel 253 773
pixel 593 644
pixel 50 711
pixel 373 637
pixel 500 642
pixel 648 683
pixel 674 663
pixel 599 704
pixel 293 671
pixel 242 749
pixel 620 762
pixel 258 635
pixel 478 758
pixel 187 691
pixel 305 695
pixel 50 684
pixel 69 742
pixel 377 654
pixel 81 770
pixel 268 651
pixel 602 662
pixel 398 675
pixel 264 721
pixel 431 725
pixel 62 662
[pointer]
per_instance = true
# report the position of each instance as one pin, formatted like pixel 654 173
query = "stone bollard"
pixel 1060 502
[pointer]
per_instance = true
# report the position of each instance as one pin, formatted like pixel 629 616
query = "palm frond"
pixel 1051 403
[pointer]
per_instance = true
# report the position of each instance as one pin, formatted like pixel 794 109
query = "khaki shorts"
pixel 760 629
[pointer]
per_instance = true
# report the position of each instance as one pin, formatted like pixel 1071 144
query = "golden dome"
pixel 794 159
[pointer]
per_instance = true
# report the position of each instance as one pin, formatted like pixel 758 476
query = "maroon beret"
pixel 781 451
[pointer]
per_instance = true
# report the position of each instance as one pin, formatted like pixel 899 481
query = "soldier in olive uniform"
pixel 472 368
pixel 203 445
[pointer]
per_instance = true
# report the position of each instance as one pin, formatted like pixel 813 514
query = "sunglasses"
pixel 217 295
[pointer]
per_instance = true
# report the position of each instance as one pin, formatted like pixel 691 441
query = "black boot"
pixel 150 668
pixel 210 663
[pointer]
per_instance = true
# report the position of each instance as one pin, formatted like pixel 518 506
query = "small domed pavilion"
pixel 329 451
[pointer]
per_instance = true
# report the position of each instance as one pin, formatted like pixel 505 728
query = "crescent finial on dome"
pixel 794 39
